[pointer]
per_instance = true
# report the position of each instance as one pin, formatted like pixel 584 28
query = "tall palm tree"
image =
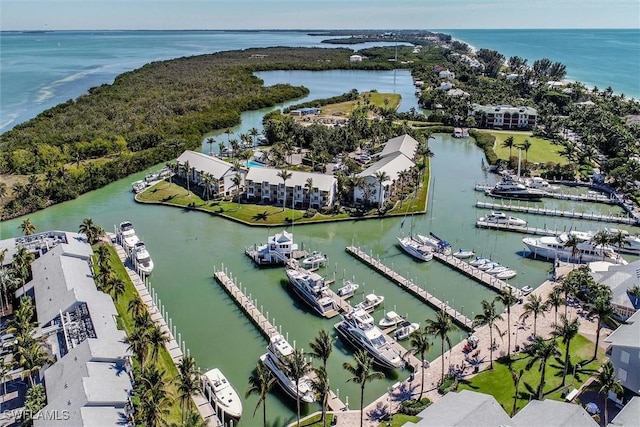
pixel 188 383
pixel 540 351
pixel 8 284
pixel 92 231
pixel 186 168
pixel 420 345
pixel 380 176
pixel 237 183
pixel 260 383
pixel 309 187
pixel 31 357
pixel 555 300
pixel 608 383
pixel 137 340
pixel 322 388
pixel 207 181
pixel 321 347
pixel 488 317
pixel 441 327
pixel 535 306
pixel 115 287
pixel 567 330
pixel 601 238
pixel 103 257
pixel 516 377
pixel 27 227
pixel 21 264
pixel 361 373
pixel 284 175
pixel 154 397
pixel 508 143
pixel 602 310
pixel 254 133
pixel 296 367
pixel 507 298
pixel 157 338
pixel 3 254
pixel 526 145
pixel 136 306
pixel 572 243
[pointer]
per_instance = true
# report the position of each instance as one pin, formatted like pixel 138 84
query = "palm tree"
pixel 157 339
pixel 3 190
pixel 380 176
pixel 188 383
pixel 31 357
pixel 261 383
pixel 619 239
pixel 488 317
pixel 572 242
pixel 254 133
pixel 92 231
pixel 137 340
pixel 284 175
pixel 237 182
pixel 321 347
pixel 136 306
pixel 535 306
pixel 210 141
pixel 115 287
pixel 508 143
pixel 420 345
pixel 21 263
pixel 608 383
pixel 516 377
pixel 322 388
pixel 207 180
pixel 441 327
pixel 362 373
pixel 3 254
pixel 555 300
pixel 567 330
pixel 186 168
pixel 7 285
pixel 541 351
pixel 309 187
pixel 507 298
pixel 154 398
pixel 601 238
pixel 526 145
pixel 27 227
pixel 296 367
pixel 601 309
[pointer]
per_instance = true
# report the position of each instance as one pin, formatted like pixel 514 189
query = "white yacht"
pixel 631 243
pixel 507 274
pixel 540 184
pixel 477 261
pixel 415 248
pixel 497 268
pixel 555 247
pixel 370 302
pixel 516 190
pixel 464 253
pixel 348 289
pixel 143 259
pixel 391 318
pixel 278 351
pixel 405 329
pixel 315 260
pixel 128 237
pixel 278 250
pixel 222 393
pixel 358 329
pixel 434 243
pixel 311 288
pixel 502 218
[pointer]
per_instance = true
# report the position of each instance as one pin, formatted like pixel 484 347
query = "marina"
pixel 589 197
pixel 535 210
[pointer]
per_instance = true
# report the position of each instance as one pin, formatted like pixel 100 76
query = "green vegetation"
pixel 398 420
pixel 540 151
pixel 499 383
pixel 316 421
pixel 388 101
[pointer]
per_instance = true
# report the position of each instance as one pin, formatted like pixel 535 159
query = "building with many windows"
pixel 625 354
pixel 505 116
pixel 209 170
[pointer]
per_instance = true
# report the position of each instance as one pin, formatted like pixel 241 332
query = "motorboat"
pixel 359 330
pixel 138 186
pixel 515 190
pixel 479 261
pixel 415 248
pixel 502 218
pixel 311 288
pixel 631 243
pixel 540 184
pixel 496 269
pixel 463 253
pixel 128 237
pixel 278 352
pixel 488 266
pixel 437 245
pixel 348 289
pixel 143 259
pixel 391 318
pixel 405 329
pixel 506 274
pixel 556 247
pixel 279 249
pixel 222 393
pixel 315 260
pixel 527 290
pixel 370 302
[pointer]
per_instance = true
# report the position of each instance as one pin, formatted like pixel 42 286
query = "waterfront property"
pixel 620 279
pixel 625 355
pixel 505 116
pixel 301 189
pixel 395 158
pixel 205 170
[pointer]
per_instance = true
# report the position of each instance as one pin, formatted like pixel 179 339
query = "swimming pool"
pixel 252 164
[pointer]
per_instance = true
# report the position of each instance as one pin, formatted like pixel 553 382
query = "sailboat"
pixel 412 245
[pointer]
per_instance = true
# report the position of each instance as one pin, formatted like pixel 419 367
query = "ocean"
pixel 41 70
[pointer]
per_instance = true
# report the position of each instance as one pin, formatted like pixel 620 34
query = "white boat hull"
pixel 415 249
pixel 222 393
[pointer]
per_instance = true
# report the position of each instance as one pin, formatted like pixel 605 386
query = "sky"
pixel 315 14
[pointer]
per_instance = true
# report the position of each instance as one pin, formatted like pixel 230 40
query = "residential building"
pixel 446 74
pixel 628 415
pixel 221 173
pixel 625 354
pixel 470 408
pixel 620 279
pixel 305 111
pixel 445 86
pixel 263 185
pixel 396 156
pixel 355 58
pixel 505 116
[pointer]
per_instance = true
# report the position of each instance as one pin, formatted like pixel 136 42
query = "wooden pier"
pixel 555 212
pixel 411 287
pixel 595 198
pixel 518 228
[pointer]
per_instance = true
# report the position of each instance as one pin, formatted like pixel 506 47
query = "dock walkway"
pixel 411 287
pixel 591 216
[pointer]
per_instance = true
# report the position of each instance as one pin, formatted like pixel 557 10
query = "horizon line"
pixel 317 29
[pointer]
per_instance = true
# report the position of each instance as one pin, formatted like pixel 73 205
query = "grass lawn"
pixel 377 99
pixel 541 150
pixel 314 421
pixel 125 321
pixel 499 383
pixel 398 420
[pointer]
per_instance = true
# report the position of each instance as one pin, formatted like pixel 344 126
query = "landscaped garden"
pixel 540 150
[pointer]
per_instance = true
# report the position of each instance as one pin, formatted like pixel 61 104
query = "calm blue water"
pixel 252 164
pixel 595 57
pixel 40 70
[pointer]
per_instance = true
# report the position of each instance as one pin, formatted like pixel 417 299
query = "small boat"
pixel 502 218
pixel 405 329
pixel 348 289
pixel 479 261
pixel 497 269
pixel 128 237
pixel 224 395
pixel 464 254
pixel 370 302
pixel 415 248
pixel 527 290
pixel 506 274
pixel 315 260
pixel 143 259
pixel 138 186
pixel 434 243
pixel 391 318
pixel 488 265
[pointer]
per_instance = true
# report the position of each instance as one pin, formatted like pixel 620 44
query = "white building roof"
pixel 392 164
pixel 204 163
pixel 552 413
pixel 74 244
pixel 627 335
pixel 320 181
pixel 403 144
pixel 628 415
pixel 619 278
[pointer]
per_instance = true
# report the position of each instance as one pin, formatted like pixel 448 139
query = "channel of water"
pixel 186 245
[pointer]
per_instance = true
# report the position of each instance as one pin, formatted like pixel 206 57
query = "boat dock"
pixel 595 198
pixel 555 212
pixel 518 228
pixel 411 287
